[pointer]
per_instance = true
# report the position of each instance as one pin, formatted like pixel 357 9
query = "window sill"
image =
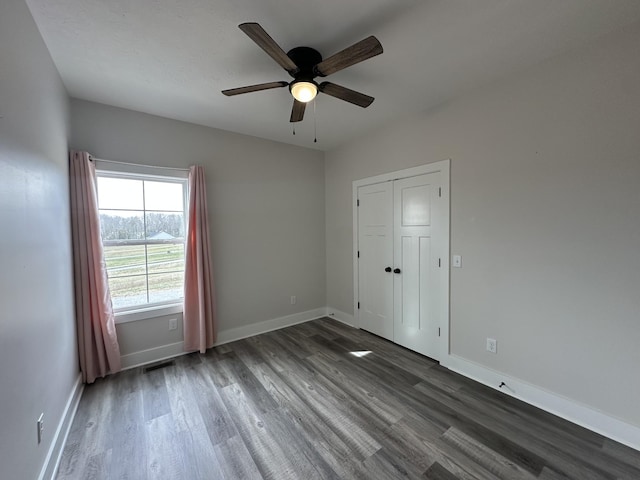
pixel 147 313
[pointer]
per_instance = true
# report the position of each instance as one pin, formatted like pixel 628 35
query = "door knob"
pixel 388 269
pixel 396 270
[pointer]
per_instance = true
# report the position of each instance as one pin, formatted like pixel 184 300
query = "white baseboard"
pixel 52 462
pixel 345 318
pixel 156 354
pixel 238 333
pixel 563 407
pixel 172 350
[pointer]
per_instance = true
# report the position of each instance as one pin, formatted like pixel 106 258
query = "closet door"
pixel 417 264
pixel 375 249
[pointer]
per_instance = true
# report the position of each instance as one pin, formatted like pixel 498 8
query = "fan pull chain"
pixel 315 123
pixel 294 128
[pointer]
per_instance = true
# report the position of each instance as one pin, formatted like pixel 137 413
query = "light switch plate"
pixel 457 261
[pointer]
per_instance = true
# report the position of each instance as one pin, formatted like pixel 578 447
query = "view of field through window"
pixel 142 226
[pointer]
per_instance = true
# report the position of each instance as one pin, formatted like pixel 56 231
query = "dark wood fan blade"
pixel 254 88
pixel 356 53
pixel 346 94
pixel 297 112
pixel 269 45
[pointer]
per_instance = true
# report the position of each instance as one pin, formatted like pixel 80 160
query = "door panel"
pixel 426 281
pixel 375 244
pixel 415 211
pixel 415 292
pixel 410 280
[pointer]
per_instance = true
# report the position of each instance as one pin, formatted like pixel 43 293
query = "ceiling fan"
pixel 304 64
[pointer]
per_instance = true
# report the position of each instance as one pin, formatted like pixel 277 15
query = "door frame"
pixel 443 167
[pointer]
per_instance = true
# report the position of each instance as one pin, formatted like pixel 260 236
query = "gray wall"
pixel 266 205
pixel 545 210
pixel 38 362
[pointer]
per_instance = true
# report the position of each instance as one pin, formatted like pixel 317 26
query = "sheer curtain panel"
pixel 97 341
pixel 199 304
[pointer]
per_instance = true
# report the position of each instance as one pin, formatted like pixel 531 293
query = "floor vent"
pixel 156 366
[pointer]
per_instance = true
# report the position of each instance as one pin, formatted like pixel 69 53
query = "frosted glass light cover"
pixel 304 91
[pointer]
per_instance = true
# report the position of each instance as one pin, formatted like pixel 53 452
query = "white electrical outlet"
pixel 492 345
pixel 40 426
pixel 293 300
pixel 173 323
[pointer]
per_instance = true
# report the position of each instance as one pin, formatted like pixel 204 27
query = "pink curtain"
pixel 97 342
pixel 199 320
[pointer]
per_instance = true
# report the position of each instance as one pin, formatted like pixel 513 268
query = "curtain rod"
pixel 139 165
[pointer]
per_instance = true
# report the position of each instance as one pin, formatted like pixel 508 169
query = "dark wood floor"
pixel 309 402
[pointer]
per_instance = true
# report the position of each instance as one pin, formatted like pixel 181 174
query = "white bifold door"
pixel 375 255
pixel 402 269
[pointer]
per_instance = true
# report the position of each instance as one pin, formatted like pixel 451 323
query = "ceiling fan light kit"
pixel 304 91
pixel 304 64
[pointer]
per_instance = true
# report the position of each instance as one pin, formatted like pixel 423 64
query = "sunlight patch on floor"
pixel 360 353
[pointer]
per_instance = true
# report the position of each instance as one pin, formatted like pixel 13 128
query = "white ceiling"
pixel 172 58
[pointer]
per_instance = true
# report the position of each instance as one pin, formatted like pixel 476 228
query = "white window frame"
pixel 106 170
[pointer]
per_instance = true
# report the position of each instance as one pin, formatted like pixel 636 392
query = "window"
pixel 142 224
